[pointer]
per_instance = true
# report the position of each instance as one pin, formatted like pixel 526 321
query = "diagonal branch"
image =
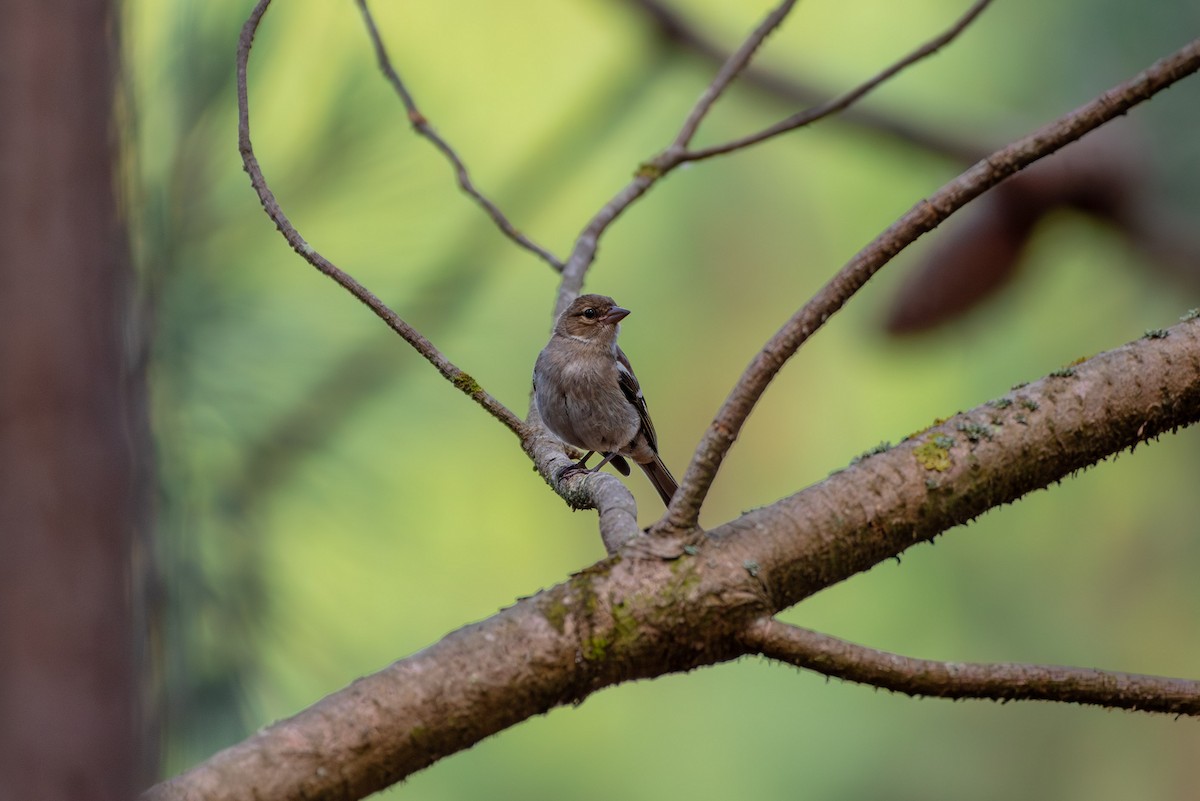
pixel 675 28
pixel 677 152
pixel 324 406
pixel 923 217
pixel 834 105
pixel 732 67
pixel 1009 681
pixel 606 494
pixel 666 604
pixel 1172 251
pixel 421 125
pixel 423 346
pixel 586 244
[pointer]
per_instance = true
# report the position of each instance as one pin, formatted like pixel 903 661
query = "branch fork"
pixel 678 600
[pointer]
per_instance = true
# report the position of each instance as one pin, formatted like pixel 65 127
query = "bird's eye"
pixel 589 313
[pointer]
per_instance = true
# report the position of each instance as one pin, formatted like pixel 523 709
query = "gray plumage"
pixel 588 396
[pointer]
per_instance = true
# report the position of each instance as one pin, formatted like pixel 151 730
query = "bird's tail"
pixel 661 478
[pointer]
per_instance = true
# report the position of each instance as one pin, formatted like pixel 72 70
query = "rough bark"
pixel 668 604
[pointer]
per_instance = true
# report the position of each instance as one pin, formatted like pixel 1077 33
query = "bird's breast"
pixel 582 404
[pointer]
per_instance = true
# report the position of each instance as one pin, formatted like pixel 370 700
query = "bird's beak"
pixel 615 315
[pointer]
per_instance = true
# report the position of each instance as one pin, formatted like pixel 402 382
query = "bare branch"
pixel 677 153
pixel 423 346
pixel 603 492
pixel 1169 246
pixel 588 240
pixel 691 604
pixel 675 28
pixel 421 125
pixel 833 106
pixel 977 460
pixel 668 604
pixel 923 217
pixel 617 510
pixel 730 70
pixel 1005 681
pixel 325 405
pixel 649 173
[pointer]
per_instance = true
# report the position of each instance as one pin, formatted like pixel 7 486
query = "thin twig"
pixel 730 70
pixel 677 153
pixel 588 240
pixel 834 105
pixel 923 217
pixel 421 125
pixel 649 173
pixel 1171 249
pixel 677 29
pixel 452 373
pixel 1005 681
pixel 319 411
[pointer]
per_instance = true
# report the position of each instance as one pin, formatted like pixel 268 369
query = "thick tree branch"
pixel 975 461
pixel 831 656
pixel 421 125
pixel 678 601
pixel 464 382
pixel 923 217
pixel 670 603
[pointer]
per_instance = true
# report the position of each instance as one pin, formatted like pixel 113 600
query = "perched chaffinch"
pixel 588 396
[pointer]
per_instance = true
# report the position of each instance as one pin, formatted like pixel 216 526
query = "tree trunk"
pixel 71 416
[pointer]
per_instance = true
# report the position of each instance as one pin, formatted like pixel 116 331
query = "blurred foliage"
pixel 328 504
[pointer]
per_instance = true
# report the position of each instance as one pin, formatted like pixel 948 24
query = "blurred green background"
pixel 315 470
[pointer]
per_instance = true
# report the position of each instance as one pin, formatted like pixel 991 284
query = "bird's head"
pixel 591 318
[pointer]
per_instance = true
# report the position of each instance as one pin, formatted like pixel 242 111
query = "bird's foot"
pixel 577 467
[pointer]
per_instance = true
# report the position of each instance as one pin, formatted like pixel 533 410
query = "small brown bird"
pixel 588 396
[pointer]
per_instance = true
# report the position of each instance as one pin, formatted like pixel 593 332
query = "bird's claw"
pixel 575 467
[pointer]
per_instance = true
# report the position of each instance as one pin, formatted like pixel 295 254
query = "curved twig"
pixel 423 346
pixel 923 217
pixel 649 173
pixel 732 67
pixel 677 29
pixel 677 152
pixel 1004 681
pixel 834 105
pixel 612 500
pixel 588 241
pixel 324 406
pixel 421 125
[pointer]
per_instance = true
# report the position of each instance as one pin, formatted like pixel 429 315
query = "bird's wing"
pixel 633 393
